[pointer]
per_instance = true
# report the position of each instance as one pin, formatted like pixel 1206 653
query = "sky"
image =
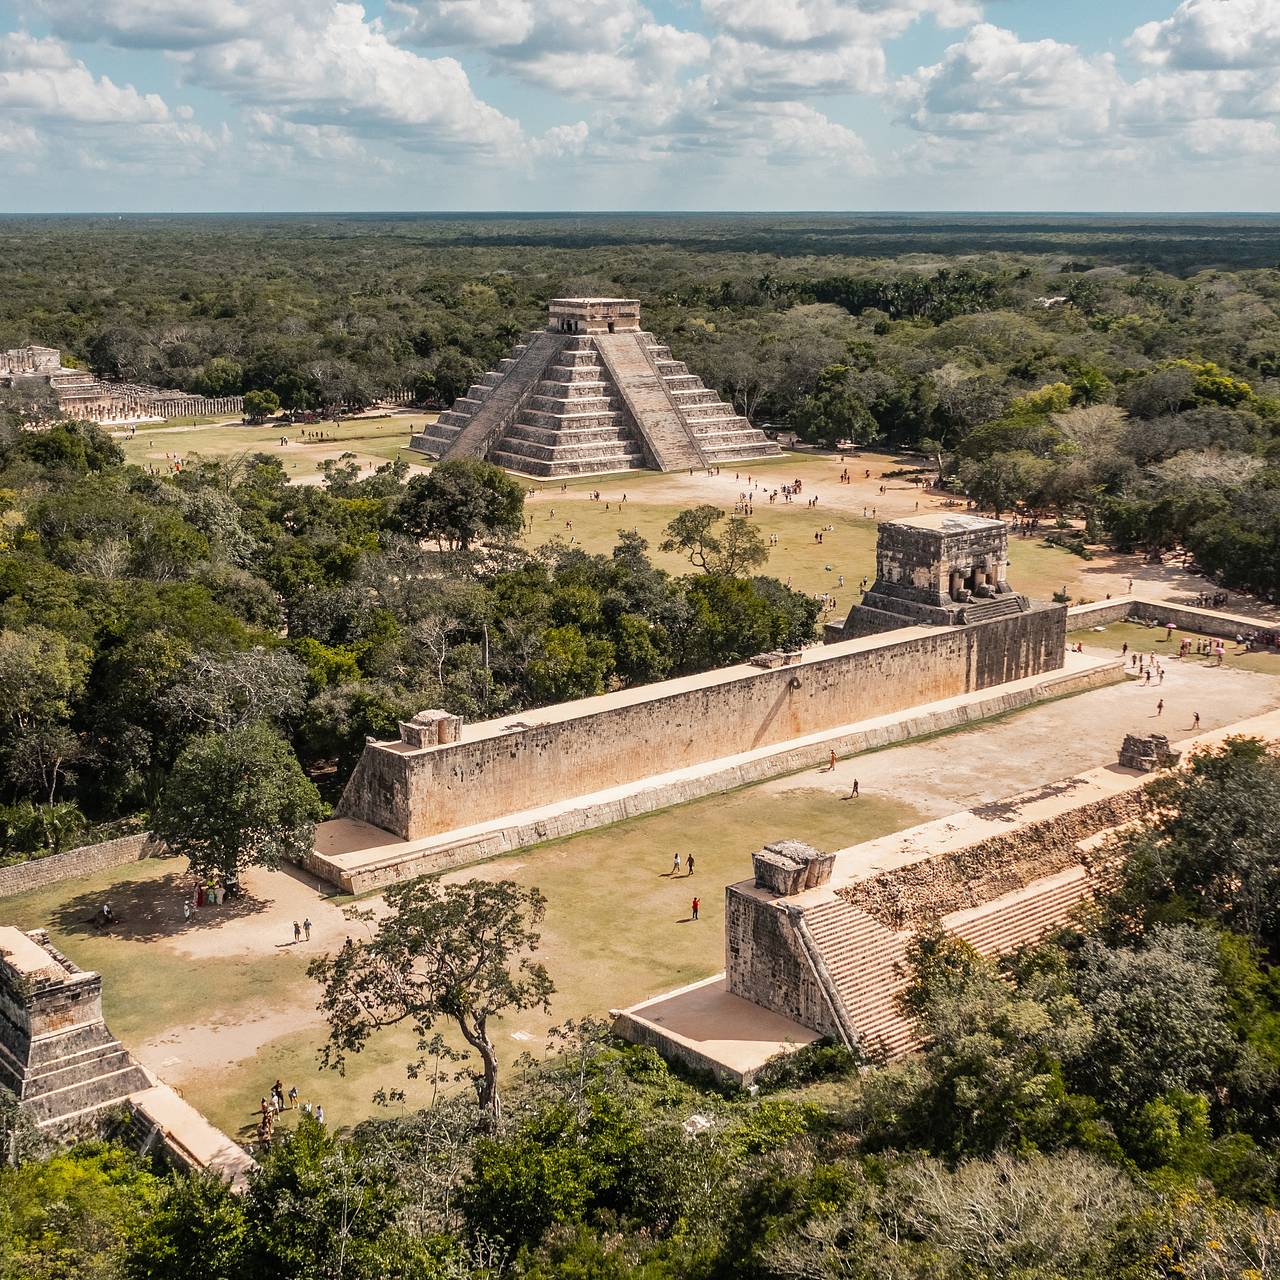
pixel 261 105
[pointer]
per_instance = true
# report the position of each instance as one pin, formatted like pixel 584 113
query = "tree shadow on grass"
pixel 147 910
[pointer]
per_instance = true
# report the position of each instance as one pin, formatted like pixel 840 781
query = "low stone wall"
pixel 1206 622
pixel 39 872
pixel 912 896
pixel 507 766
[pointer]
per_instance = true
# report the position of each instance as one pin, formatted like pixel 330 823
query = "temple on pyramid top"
pixel 592 392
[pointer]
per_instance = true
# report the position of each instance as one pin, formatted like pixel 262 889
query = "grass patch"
pixel 1152 640
pixel 617 930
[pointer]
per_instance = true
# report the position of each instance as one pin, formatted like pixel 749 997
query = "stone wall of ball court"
pixel 506 766
pixel 1208 622
pixel 36 873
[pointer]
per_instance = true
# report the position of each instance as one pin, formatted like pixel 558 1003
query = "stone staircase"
pixel 501 400
pixel 1002 606
pixel 649 401
pixel 864 960
pixel 1023 916
pixel 721 435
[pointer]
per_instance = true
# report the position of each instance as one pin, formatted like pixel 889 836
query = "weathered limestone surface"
pixel 1146 754
pixel 935 569
pixel 345 858
pixel 56 1054
pixel 572 749
pixel 592 393
pixel 912 896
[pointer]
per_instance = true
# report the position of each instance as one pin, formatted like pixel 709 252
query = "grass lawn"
pixel 1152 640
pixel 370 439
pixel 617 930
pixel 653 500
pixel 849 548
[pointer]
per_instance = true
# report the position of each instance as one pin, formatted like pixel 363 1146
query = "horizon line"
pixel 643 213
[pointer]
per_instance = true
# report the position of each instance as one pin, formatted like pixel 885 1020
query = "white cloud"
pixel 339 70
pixel 1213 35
pixel 151 24
pixel 609 50
pixel 39 79
pixel 992 97
pixel 991 83
pixel 747 70
pixel 831 23
pixel 55 107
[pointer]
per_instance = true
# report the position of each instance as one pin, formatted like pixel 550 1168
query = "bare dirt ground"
pixel 1044 743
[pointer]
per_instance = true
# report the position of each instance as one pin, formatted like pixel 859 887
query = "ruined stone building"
pixel 817 944
pixel 592 392
pixel 71 1076
pixel 938 569
pixel 444 791
pixel 56 1054
pixel 84 397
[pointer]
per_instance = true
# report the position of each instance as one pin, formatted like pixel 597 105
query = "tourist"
pixel 293 1095
pixel 833 760
pixel 186 908
pixel 306 927
pixel 1160 707
pixel 1195 723
pixel 697 902
pixel 297 932
pixel 319 1114
pixel 278 1090
pixel 675 865
pixel 265 1107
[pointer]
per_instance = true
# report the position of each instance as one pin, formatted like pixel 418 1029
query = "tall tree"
pixel 237 799
pixel 458 953
pixel 732 548
pixel 460 502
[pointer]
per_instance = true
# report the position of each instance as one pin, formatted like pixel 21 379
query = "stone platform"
pixel 705 1027
pixel 828 959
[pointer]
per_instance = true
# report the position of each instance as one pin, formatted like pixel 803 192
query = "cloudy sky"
pixel 639 104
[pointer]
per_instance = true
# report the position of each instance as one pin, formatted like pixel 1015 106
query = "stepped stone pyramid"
pixel 592 392
pixel 56 1054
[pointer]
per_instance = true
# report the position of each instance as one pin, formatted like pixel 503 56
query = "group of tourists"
pixel 205 894
pixel 274 1104
pixel 677 868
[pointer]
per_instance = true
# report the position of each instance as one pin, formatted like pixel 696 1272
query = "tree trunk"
pixel 487 1083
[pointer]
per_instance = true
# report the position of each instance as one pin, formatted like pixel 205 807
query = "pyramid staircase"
pixel 1002 606
pixel 865 962
pixel 581 404
pixel 861 962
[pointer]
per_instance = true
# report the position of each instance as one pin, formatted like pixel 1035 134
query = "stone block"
pixel 791 866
